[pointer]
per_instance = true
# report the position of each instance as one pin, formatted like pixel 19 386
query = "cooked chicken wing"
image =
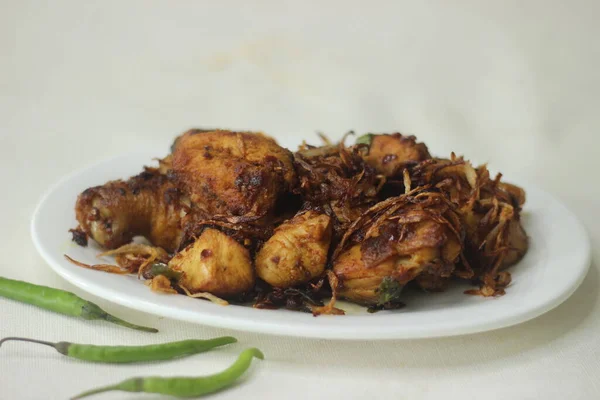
pixel 215 263
pixel 232 173
pixel 148 205
pixel 297 252
pixel 396 241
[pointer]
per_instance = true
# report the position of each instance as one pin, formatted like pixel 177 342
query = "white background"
pixel 513 83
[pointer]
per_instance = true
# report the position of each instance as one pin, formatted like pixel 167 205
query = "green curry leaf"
pixel 389 291
pixel 365 139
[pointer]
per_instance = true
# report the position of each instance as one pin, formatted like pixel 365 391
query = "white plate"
pixel 554 267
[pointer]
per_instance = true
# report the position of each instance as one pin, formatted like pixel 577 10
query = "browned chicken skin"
pixel 390 154
pixel 148 205
pixel 232 173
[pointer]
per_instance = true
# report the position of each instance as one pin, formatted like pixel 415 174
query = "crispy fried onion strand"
pixel 138 250
pixel 113 269
pixel 500 205
pixel 329 308
pixel 205 295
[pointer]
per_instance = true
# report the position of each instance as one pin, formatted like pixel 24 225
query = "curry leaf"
pixel 389 290
pixel 365 139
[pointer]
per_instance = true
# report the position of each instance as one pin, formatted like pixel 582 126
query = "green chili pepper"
pixel 131 354
pixel 157 269
pixel 59 301
pixel 184 387
pixel 365 139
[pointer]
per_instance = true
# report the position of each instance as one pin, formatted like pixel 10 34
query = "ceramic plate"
pixel 554 267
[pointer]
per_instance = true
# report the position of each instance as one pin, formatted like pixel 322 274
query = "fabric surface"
pixel 512 83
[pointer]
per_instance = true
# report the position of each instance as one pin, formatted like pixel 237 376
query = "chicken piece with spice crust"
pixel 297 252
pixel 390 154
pixel 209 175
pixel 148 205
pixel 232 173
pixel 394 243
pixel 215 263
pixel 490 209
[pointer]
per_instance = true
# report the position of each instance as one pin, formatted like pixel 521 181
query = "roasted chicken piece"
pixel 390 154
pixel 490 210
pixel 226 173
pixel 297 252
pixel 494 226
pixel 396 241
pixel 148 205
pixel 232 173
pixel 216 264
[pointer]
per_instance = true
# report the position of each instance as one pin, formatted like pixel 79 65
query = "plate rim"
pixel 283 329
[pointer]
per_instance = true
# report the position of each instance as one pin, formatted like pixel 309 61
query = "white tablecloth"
pixel 515 83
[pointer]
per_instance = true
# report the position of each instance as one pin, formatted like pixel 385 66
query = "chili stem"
pixel 96 391
pixel 21 339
